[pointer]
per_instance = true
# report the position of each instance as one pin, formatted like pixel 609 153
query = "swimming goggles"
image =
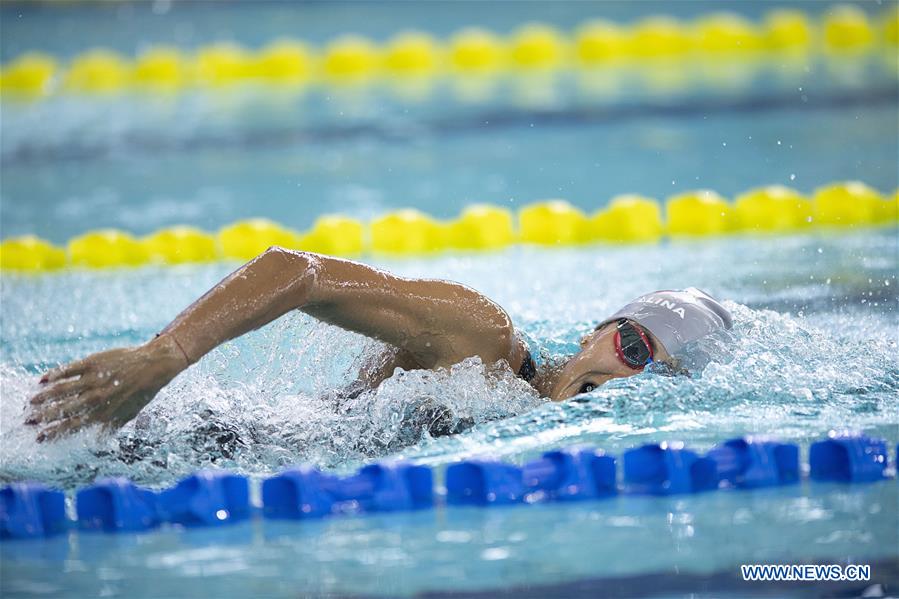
pixel 632 345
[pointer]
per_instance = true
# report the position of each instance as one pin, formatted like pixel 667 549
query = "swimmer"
pixel 428 324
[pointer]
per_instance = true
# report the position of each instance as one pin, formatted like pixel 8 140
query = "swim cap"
pixel 676 318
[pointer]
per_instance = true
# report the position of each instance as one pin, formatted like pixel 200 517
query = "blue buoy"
pixel 206 498
pixel 667 469
pixel 751 463
pixel 571 474
pixel 385 487
pixel 480 482
pixel 388 487
pixel 116 504
pixel 29 510
pixel 298 493
pixel 848 458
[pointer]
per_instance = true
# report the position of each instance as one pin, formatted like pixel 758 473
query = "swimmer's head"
pixel 655 327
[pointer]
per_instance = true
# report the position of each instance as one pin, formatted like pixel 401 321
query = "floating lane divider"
pixel 568 474
pixel 845 30
pixel 216 498
pixel 626 219
pixel 206 498
pixel 385 487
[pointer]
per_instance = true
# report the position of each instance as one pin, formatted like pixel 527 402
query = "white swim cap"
pixel 676 318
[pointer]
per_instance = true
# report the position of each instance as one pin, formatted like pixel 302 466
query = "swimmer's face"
pixel 596 363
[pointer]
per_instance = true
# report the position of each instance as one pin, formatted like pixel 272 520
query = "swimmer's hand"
pixel 107 388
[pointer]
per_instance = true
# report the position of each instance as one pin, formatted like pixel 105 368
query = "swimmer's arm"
pixel 438 322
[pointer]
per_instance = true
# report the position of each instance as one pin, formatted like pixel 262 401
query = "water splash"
pixel 823 357
pixel 771 374
pixel 257 407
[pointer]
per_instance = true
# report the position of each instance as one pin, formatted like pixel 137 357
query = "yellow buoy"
pixel 847 204
pixel 30 253
pixel 895 209
pixel 106 247
pixel 787 29
pixel 659 36
pixel 482 227
pixel 726 32
pixel 695 213
pixel 599 41
pixel 772 209
pixel 29 74
pixel 891 25
pixel 286 61
pixel 847 27
pixel 555 222
pixel 628 219
pixel 223 63
pixel 412 53
pixel 161 67
pixel 536 46
pixel 475 50
pixel 885 211
pixel 98 70
pixel 407 232
pixel 350 57
pixel 247 239
pixel 180 244
pixel 336 235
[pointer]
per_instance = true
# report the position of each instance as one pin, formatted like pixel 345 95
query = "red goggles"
pixel 632 345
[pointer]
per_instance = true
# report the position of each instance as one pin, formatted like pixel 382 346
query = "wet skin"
pixel 426 323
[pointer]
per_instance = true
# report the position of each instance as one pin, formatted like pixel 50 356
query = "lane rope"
pixel 472 53
pixel 218 497
pixel 627 219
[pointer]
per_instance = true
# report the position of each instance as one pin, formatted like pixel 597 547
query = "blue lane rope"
pixel 217 497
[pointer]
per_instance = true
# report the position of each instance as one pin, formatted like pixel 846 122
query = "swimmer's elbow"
pixel 279 256
pixel 277 252
pixel 288 270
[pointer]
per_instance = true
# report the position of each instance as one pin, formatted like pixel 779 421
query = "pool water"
pixel 813 347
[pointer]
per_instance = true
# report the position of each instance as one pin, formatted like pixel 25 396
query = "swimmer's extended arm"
pixel 437 322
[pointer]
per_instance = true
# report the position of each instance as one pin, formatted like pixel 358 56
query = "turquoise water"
pixel 813 348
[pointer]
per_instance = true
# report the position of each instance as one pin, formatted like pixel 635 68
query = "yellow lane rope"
pixel 473 52
pixel 626 219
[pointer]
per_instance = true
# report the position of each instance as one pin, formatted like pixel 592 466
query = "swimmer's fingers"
pixel 66 427
pixel 65 372
pixel 57 392
pixel 74 406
